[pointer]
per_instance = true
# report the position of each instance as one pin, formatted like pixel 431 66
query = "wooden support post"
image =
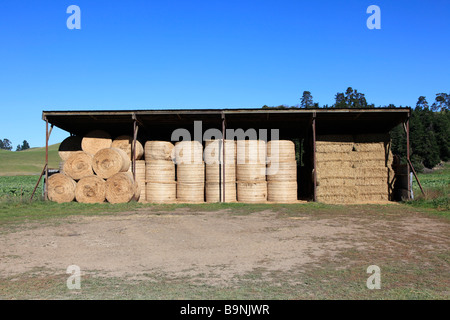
pixel 133 152
pixel 314 157
pixel 223 159
pixel 46 160
pixel 408 160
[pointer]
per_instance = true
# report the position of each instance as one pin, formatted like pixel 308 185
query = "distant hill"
pixel 28 162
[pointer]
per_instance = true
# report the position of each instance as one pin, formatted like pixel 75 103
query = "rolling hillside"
pixel 27 162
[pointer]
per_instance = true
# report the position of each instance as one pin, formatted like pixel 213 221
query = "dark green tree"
pixel 25 145
pixel 6 145
pixel 306 100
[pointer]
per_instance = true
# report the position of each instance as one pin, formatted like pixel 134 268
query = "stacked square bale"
pixel 353 168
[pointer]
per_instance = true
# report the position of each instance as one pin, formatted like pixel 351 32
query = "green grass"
pixel 27 162
pixel 436 186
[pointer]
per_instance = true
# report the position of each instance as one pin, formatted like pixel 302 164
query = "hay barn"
pixel 331 155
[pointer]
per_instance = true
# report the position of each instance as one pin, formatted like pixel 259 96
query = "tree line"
pixel 429 125
pixel 6 144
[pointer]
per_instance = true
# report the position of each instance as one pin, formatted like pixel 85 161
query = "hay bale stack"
pixel 159 172
pixel 158 150
pixel 61 188
pixel 213 153
pixel 251 171
pixel 125 143
pixel 161 192
pixel 121 188
pixel 282 191
pixel 281 171
pixel 108 162
pixel 190 171
pixel 61 166
pixel 191 192
pixel 214 191
pixel 251 152
pixel 252 192
pixel 78 165
pixel 68 146
pixel 188 152
pixel 96 140
pixel 91 189
pixel 140 178
pixel 215 163
pixel 353 169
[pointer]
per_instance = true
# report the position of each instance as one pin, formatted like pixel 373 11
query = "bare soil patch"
pixel 219 246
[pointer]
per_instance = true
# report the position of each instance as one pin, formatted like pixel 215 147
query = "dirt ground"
pixel 215 246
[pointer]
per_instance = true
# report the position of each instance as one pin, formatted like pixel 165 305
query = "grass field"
pixel 27 162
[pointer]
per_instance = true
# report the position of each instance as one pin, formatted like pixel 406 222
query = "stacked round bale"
pixel 251 170
pixel 99 169
pixel 190 171
pixel 281 171
pixel 214 170
pixel 160 172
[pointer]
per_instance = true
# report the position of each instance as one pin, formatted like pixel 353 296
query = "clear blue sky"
pixel 213 54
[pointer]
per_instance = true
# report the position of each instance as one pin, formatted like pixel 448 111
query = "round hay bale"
pixel 214 173
pixel 191 173
pixel 282 171
pixel 91 189
pixel 161 192
pixel 190 192
pixel 78 165
pixel 188 152
pixel 158 150
pixel 61 166
pixel 69 146
pixel 214 191
pixel 160 171
pixel 251 172
pixel 96 140
pixel 282 191
pixel 125 143
pixel 61 188
pixel 121 188
pixel 213 153
pixel 140 178
pixel 251 152
pixel 280 151
pixel 251 191
pixel 108 162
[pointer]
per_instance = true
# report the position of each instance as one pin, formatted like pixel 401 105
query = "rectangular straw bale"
pixel 330 147
pixel 349 191
pixel 334 156
pixel 336 182
pixel 370 147
pixel 368 155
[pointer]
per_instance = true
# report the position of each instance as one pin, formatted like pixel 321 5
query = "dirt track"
pixel 215 245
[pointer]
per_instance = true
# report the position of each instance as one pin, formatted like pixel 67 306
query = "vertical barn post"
pixel 408 157
pixel 223 158
pixel 314 157
pixel 46 160
pixel 133 152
